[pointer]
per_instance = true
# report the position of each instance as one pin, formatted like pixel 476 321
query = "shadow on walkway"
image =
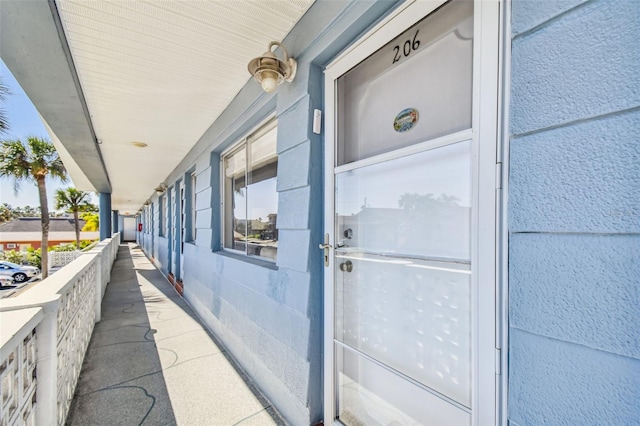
pixel 151 361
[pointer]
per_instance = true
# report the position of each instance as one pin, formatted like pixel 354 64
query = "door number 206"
pixel 407 48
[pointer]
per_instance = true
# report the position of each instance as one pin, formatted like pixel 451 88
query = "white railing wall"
pixel 18 366
pixel 56 317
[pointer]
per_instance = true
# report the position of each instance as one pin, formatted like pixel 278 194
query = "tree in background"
pixel 74 201
pixel 34 257
pixel 6 212
pixel 12 256
pixel 33 160
pixel 28 211
pixel 91 222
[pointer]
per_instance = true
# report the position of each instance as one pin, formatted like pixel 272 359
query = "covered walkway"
pixel 151 361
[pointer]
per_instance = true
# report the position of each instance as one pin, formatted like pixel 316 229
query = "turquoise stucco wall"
pixel 574 213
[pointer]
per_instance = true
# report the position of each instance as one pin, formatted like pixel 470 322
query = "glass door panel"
pixel 372 395
pixel 417 206
pixel 412 317
pixel 403 272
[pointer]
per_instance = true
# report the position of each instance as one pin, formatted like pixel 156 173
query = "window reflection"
pixel 417 205
pixel 251 196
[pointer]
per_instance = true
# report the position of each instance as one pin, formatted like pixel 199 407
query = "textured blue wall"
pixel 574 213
pixel 269 316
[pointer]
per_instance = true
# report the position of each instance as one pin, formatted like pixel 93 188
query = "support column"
pixel 114 221
pixel 47 363
pixel 97 303
pixel 105 216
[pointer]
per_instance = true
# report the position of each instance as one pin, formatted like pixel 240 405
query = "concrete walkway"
pixel 151 361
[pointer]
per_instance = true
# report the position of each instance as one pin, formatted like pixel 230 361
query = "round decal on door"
pixel 405 120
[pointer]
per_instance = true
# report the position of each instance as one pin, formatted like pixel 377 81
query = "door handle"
pixel 325 247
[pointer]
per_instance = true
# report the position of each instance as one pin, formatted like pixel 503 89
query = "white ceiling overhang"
pixel 157 72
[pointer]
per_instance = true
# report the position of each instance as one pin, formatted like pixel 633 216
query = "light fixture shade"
pixel 270 71
pixel 269 80
pixel 161 188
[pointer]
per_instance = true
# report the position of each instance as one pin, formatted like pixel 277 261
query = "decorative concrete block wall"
pixel 574 213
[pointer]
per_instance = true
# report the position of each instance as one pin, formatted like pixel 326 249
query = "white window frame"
pixel 148 220
pixel 161 203
pixel 488 398
pixel 165 214
pixel 256 132
pixel 194 212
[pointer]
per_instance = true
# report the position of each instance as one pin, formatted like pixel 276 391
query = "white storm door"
pixel 410 284
pixel 129 229
pixel 181 232
pixel 176 232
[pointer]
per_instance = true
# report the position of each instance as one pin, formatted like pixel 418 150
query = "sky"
pixel 24 121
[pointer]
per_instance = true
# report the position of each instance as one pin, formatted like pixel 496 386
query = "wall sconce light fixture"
pixel 146 203
pixel 161 188
pixel 270 71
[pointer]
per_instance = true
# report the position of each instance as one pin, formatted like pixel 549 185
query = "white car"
pixel 5 280
pixel 19 273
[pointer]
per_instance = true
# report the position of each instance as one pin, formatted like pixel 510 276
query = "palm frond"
pixel 4 124
pixel 14 162
pixel 72 200
pixel 57 170
pixel 29 160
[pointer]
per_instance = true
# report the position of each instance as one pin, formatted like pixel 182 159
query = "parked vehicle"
pixel 19 273
pixel 5 280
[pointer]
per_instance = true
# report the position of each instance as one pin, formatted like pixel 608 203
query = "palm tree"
pixel 74 201
pixel 4 125
pixel 33 160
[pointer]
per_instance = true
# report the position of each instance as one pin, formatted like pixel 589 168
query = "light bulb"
pixel 269 81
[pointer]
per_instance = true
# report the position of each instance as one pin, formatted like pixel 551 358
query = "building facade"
pixel 436 222
pixel 26 232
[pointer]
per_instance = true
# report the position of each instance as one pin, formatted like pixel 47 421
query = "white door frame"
pixel 487 359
